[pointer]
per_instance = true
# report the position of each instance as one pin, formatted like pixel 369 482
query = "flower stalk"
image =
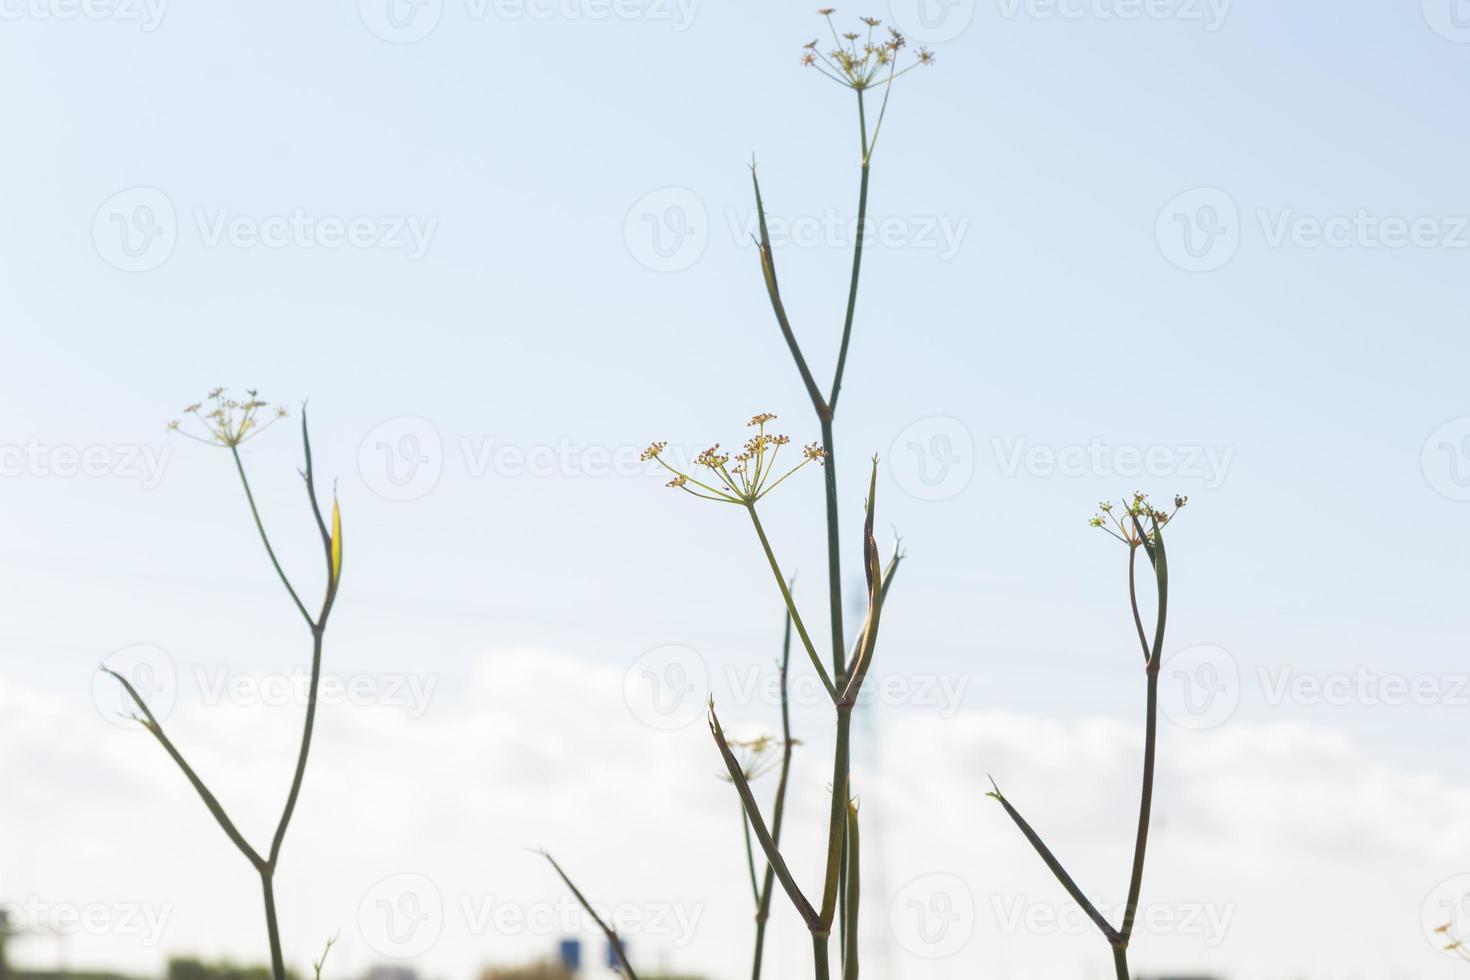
pixel 860 62
pixel 228 423
pixel 1138 524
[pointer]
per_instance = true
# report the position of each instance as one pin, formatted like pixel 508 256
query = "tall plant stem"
pixel 1150 741
pixel 857 261
pixel 853 894
pixel 838 821
pixel 827 413
pixel 278 962
pixel 305 750
pixel 835 890
pixel 1153 545
pixel 1145 806
pixel 265 865
pixel 834 548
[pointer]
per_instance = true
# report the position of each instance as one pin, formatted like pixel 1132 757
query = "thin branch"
pixel 1161 579
pixel 316 965
pixel 806 640
pixel 151 723
pixel 768 844
pixel 1150 744
pixel 755 887
pixel 1055 866
pixel 1133 602
pixel 773 290
pixel 607 930
pixel 265 539
pixel 857 264
pixel 778 813
pixel 850 934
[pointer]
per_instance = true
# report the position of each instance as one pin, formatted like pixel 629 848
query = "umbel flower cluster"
pixel 1135 520
pixel 743 478
pixel 227 421
pixel 860 66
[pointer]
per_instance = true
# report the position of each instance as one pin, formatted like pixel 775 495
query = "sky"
pixel 1203 247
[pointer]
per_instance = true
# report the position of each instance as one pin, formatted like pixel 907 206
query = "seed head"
pixel 1139 518
pixel 857 59
pixel 224 421
pixel 743 478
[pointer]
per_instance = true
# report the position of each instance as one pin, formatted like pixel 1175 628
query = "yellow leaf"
pixel 336 541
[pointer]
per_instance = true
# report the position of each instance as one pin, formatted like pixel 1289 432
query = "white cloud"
pixel 1278 850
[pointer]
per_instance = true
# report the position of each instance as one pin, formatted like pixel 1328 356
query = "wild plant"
pixel 225 422
pixel 1137 524
pixel 864 62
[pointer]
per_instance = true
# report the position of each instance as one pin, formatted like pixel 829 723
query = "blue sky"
pixel 1032 325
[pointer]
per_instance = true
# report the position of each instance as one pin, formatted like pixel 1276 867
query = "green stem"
pixel 1120 962
pixel 834 536
pixel 213 804
pixel 842 883
pixel 834 550
pixel 773 291
pixel 265 539
pixel 763 911
pixel 1109 933
pixel 316 676
pixel 1150 743
pixel 838 822
pixel 613 940
pixel 755 888
pixel 850 931
pixel 758 824
pixel 819 956
pixel 806 641
pixel 278 963
pixel 857 264
pixel 1145 806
